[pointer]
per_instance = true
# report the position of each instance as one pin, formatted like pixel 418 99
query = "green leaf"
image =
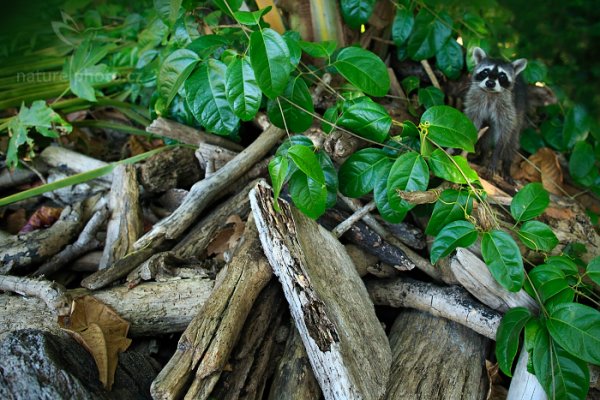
pixel 308 195
pixel 550 284
pixel 168 10
pixel 330 115
pixel 576 327
pixel 507 337
pixel 537 236
pixel 250 18
pixel 443 166
pixel 475 23
pixel 577 126
pixel 296 95
pixel 175 69
pixel 455 234
pixel 367 119
pixel 206 45
pixel 409 173
pixel 453 205
pixel 83 71
pixel 318 50
pixel 565 264
pixel 582 160
pixel 206 97
pixel 241 89
pixel 562 375
pixel 410 84
pixel 270 60
pixel 356 12
pixel 402 26
pixel 593 270
pixel 535 71
pixel 503 258
pixel 306 160
pixel 431 96
pixel 380 194
pixel 291 141
pixel 448 127
pixel 531 141
pixel 409 129
pixel 278 168
pixel 227 6
pixel 449 59
pixel 429 35
pixel 331 178
pixel 292 39
pixel 359 172
pixel 364 70
pixel 529 202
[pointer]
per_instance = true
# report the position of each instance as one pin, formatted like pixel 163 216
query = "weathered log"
pixel 51 293
pixel 60 157
pixel 151 308
pixel 434 358
pixel 524 385
pixel 205 345
pixel 345 342
pixel 173 168
pixel 293 378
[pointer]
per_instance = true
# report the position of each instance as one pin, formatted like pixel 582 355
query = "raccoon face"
pixel 495 76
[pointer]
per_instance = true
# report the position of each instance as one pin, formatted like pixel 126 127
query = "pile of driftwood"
pixel 271 304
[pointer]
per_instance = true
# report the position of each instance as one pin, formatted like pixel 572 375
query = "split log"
pixel 453 303
pixel 125 225
pixel 205 345
pixel 345 342
pixel 251 360
pixel 434 358
pixel 151 308
pixel 293 378
pixel 173 168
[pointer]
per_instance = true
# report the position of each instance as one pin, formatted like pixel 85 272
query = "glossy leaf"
pixel 307 161
pixel 431 96
pixel 402 26
pixel 503 258
pixel 291 141
pixel 206 45
pixel 294 100
pixel 168 10
pixel 409 173
pixel 410 84
pixel 367 119
pixel 455 234
pixel 537 236
pixel 536 71
pixel 453 205
pixel 576 127
pixel 562 375
pixel 228 6
pixel 451 168
pixel 565 264
pixel 359 172
pixel 331 178
pixel 83 69
pixel 308 195
pixel 318 50
pixel 278 168
pixel 270 60
pixel 576 327
pixel 292 39
pixel 250 18
pixel 448 127
pixel 507 337
pixel 593 270
pixel 380 195
pixel 243 93
pixel 206 97
pixel 364 70
pixel 529 202
pixel 330 119
pixel 550 284
pixel 429 35
pixel 356 12
pixel 176 68
pixel 582 160
pixel 449 59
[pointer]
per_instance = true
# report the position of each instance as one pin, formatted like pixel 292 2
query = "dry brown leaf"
pixel 101 331
pixel 496 391
pixel 227 238
pixel 14 221
pixel 543 166
pixel 43 217
pixel 560 213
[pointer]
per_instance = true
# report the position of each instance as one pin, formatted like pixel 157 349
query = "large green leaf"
pixel 251 17
pixel 292 39
pixel 318 50
pixel 359 172
pixel 308 195
pixel 529 202
pixel 430 96
pixel 364 70
pixel 278 168
pixel 503 258
pixel 168 10
pixel 551 284
pixel 507 337
pixel 576 127
pixel 228 6
pixel 241 89
pixel 535 71
pixel 429 34
pixel 562 375
pixel 296 105
pixel 291 141
pixel 356 12
pixel 206 45
pixel 306 160
pixel 449 59
pixel 451 168
pixel 176 68
pixel 593 270
pixel 331 178
pixel 453 205
pixel 84 71
pixel 455 234
pixel 409 173
pixel 565 264
pixel 367 119
pixel 582 160
pixel 270 60
pixel 576 327
pixel 537 236
pixel 206 97
pixel 448 127
pixel 380 194
pixel 402 25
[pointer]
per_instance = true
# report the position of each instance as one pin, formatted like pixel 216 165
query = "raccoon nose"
pixel 490 83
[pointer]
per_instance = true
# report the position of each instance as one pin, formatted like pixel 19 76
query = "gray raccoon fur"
pixel 497 97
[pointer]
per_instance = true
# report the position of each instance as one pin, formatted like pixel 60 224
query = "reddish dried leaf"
pixel 227 238
pixel 43 217
pixel 543 166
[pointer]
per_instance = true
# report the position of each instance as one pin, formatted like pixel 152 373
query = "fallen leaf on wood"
pixel 43 217
pixel 560 213
pixel 227 238
pixel 543 166
pixel 101 331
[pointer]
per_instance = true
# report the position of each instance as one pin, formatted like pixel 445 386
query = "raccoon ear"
pixel 478 54
pixel 519 65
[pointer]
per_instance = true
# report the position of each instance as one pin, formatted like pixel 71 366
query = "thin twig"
pixel 52 293
pixel 351 220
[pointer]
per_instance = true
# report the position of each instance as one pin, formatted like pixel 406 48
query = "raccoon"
pixel 497 97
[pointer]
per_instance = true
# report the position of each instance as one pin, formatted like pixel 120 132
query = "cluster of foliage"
pixel 157 60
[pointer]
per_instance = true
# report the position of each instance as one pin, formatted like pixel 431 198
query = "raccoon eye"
pixel 503 79
pixel 483 74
